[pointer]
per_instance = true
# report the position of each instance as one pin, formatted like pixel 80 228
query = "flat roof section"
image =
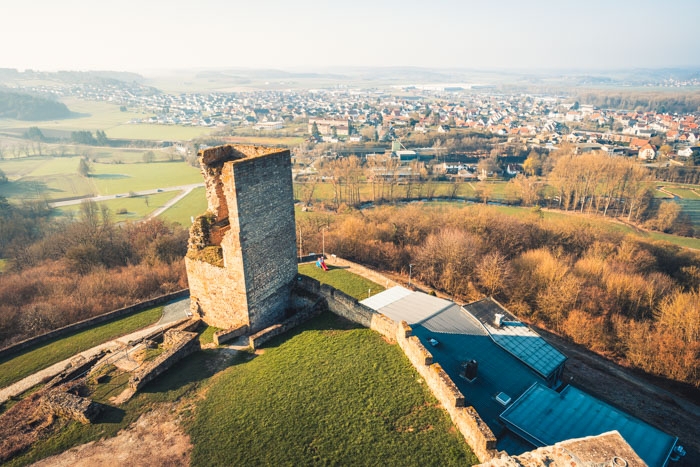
pixel 543 417
pixel 386 297
pixel 412 308
pixel 517 338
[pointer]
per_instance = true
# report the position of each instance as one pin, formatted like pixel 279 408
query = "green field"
pixel 39 177
pixel 16 367
pixel 121 178
pixel 57 177
pixel 326 394
pixel 153 132
pixel 136 207
pixel 90 115
pixel 191 205
pixel 263 140
pixel 684 193
pixel 352 284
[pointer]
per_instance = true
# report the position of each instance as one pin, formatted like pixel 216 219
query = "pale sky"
pixel 138 35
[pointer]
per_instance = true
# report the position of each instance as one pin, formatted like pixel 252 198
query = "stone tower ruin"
pixel 241 259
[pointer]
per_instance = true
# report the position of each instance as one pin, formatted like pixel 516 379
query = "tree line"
pixel 60 272
pixel 27 107
pixel 631 300
pixel 663 102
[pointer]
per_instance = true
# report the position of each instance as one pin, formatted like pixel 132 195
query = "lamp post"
pixel 323 240
pixel 410 270
pixel 300 250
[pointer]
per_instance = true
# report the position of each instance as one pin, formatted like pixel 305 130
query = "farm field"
pixel 153 132
pixel 44 177
pixel 288 141
pixel 58 178
pixel 89 115
pixel 191 205
pixel 137 207
pixel 112 179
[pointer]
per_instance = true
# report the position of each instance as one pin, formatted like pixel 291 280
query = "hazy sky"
pixel 138 35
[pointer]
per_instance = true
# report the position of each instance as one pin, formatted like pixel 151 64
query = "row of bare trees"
pixel 598 182
pixel 632 300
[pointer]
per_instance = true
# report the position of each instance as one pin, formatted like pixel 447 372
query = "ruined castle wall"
pixel 179 345
pixel 260 197
pixel 249 191
pixel 216 294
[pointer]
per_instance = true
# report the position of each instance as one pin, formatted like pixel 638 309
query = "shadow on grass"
pixel 330 267
pixel 111 414
pixel 108 176
pixel 194 369
pixel 327 321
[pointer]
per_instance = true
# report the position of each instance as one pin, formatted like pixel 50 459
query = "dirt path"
pixel 155 439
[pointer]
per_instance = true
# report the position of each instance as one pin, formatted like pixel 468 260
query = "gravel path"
pixel 172 312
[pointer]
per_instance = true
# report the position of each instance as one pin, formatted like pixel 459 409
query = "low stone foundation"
pixel 226 335
pixel 67 405
pixel 179 344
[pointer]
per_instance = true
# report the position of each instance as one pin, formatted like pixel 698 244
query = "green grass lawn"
pixel 136 207
pixel 343 280
pixel 121 178
pixel 325 395
pixel 191 205
pixel 16 367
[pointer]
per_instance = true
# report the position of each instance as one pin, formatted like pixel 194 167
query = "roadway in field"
pixel 183 188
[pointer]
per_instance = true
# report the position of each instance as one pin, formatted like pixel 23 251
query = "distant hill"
pixel 28 107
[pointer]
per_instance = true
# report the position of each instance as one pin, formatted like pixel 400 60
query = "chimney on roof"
pixel 498 320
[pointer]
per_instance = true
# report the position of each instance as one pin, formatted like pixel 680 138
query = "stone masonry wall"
pixel 180 343
pixel 264 211
pixel 250 195
pixel 214 294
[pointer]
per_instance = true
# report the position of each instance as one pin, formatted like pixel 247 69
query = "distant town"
pixel 349 115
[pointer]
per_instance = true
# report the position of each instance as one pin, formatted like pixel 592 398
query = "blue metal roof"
pixel 517 338
pixel 543 417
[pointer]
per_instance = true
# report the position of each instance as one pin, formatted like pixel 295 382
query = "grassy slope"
pixel 352 284
pixel 324 396
pixel 16 367
pixel 191 205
